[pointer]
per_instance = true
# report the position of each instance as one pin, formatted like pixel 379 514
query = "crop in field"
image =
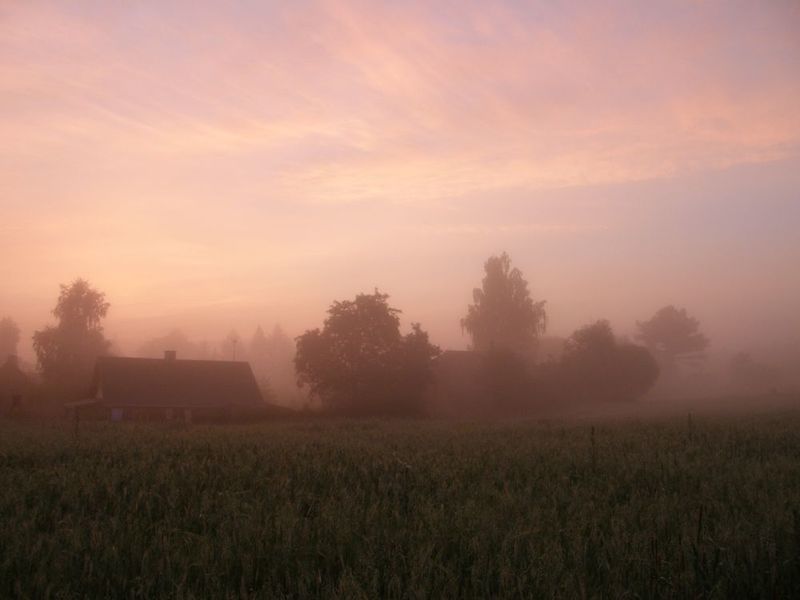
pixel 676 508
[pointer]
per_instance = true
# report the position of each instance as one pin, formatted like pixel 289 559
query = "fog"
pixel 626 158
pixel 723 244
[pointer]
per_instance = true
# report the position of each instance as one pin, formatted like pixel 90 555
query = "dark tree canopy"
pixel 595 340
pixel 66 352
pixel 9 338
pixel 360 363
pixel 596 366
pixel 503 316
pixel 672 334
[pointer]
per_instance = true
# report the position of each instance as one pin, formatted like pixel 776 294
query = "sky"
pixel 215 166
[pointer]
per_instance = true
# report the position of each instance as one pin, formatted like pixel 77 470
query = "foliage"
pixel 66 352
pixel 9 338
pixel 595 365
pixel 503 316
pixel 360 363
pixel 704 509
pixel 672 334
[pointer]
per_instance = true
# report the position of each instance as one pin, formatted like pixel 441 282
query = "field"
pixel 677 507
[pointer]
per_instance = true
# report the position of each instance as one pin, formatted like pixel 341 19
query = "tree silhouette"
pixel 503 316
pixel 66 352
pixel 9 338
pixel 672 335
pixel 595 366
pixel 360 363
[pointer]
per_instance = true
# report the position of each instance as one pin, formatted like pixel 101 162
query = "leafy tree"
pixel 66 352
pixel 360 363
pixel 637 371
pixel 9 338
pixel 596 340
pixel 503 316
pixel 595 366
pixel 672 335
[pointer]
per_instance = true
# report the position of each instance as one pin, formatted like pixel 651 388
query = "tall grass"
pixel 402 509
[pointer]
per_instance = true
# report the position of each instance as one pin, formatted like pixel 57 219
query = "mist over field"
pixel 214 170
pixel 374 299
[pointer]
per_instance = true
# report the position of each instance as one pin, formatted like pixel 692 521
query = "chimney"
pixel 170 355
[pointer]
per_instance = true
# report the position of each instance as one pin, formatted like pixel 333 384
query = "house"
pixel 15 385
pixel 152 388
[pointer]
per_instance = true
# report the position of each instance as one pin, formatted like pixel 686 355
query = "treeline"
pixel 359 362
pixel 66 352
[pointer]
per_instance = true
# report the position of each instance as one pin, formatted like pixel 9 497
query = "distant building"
pixel 15 386
pixel 131 388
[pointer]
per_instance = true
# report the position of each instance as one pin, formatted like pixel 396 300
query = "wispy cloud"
pixel 411 101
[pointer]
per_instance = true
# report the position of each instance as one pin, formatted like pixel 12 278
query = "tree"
pixel 503 316
pixel 66 352
pixel 672 335
pixel 595 366
pixel 9 338
pixel 360 363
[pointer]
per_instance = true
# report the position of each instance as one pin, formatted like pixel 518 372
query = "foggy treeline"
pixel 360 362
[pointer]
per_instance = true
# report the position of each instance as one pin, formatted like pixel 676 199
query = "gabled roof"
pixel 151 382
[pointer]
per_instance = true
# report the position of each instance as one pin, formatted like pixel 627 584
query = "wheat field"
pixel 688 507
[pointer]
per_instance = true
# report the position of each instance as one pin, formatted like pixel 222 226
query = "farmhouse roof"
pixel 172 383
